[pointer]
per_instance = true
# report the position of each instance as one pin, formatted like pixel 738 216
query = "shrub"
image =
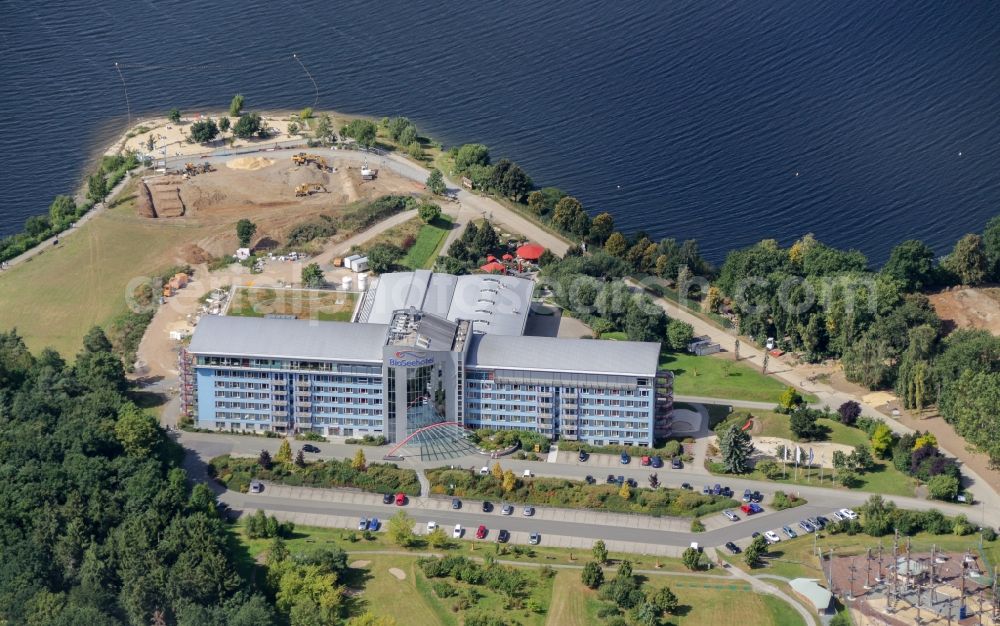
pixel 786 501
pixel 989 534
pixel 770 469
pixel 672 449
pixel 236 473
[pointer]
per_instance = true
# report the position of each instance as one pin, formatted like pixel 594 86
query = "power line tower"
pixel 894 574
pixel 850 577
pixel 868 569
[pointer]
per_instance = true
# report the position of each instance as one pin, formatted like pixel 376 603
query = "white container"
pixel 362 281
pixel 345 283
pixel 361 265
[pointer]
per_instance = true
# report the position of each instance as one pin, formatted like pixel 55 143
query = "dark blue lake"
pixel 863 122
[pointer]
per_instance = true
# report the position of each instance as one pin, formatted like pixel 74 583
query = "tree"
pixel 401 529
pixel 137 431
pixel 435 182
pixel 264 460
pixel 861 459
pixel 245 230
pixel 625 492
pixel 497 471
pixel 362 131
pixel 97 186
pixel 471 154
pixel 509 180
pixel 592 575
pixel 968 261
pixel 224 124
pixel 37 225
pixel 790 399
pixel 174 115
pixel 428 212
pixel 437 538
pixel 600 552
pixel 736 446
pixel 509 481
pixel 866 360
pixel 972 404
pixel 62 210
pixel 284 454
pixel 991 246
pixel 382 257
pixel 616 245
pixel 236 106
pixel 876 516
pixel 312 275
pixel 679 334
pixel 249 125
pixel 753 553
pixel 300 459
pixel 204 130
pixel 654 481
pixel 324 128
pixel 849 412
pixel 601 228
pixel 645 614
pixel 943 487
pixel 566 212
pixel 664 600
pixel 802 423
pixel 359 463
pixel 912 264
pixel 926 439
pixel 691 558
pixel 882 440
pixel 293 128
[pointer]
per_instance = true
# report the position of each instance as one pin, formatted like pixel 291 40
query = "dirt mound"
pixel 967 307
pixel 144 202
pixel 165 192
pixel 249 163
pixel 195 255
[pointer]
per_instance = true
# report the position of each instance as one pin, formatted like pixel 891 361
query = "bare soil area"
pixel 968 307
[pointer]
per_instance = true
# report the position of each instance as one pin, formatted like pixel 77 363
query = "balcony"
pixel 279 414
pixel 304 405
pixel 279 423
pixel 281 403
pixel 302 384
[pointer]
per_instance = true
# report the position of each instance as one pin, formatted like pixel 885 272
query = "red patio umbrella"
pixel 530 251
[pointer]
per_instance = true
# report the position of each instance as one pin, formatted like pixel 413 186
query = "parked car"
pixel 676 463
pixel 590 479
pixel 506 509
pixel 807 527
pixel 656 462
pixel 373 524
pixel 526 473
pixel 717 489
pixel 431 526
pixel 620 480
pixel 503 536
pixel 707 490
pixel 625 458
pixel 611 479
pixel 756 497
pixel 529 511
pixel 400 499
pixel 256 486
pixel 755 535
pixel 386 498
pixel 487 506
pixel 772 537
pixel 746 495
pixel 633 483
pixel 789 532
pixel 727 492
pixel 821 522
pixel 644 461
pixel 310 448
pixel 837 516
pixel 484 470
pixel 457 533
pixel 456 503
pixel 583 456
pixel 481 532
pixel 363 523
pixel 534 539
pixel 733 517
pixel 732 547
pixel 687 486
pixel 848 513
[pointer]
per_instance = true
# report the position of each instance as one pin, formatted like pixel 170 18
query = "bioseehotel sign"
pixel 410 358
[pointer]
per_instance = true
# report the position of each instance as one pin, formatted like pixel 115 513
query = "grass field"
pixel 325 306
pixel 54 298
pixel 429 240
pixel 884 478
pixel 719 377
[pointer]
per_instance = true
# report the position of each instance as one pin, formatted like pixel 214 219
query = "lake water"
pixel 863 122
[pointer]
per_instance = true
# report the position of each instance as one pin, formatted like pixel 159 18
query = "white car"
pixel 506 510
pixel 457 533
pixel 837 516
pixel 431 526
pixel 848 513
pixel 529 511
pixel 526 474
pixel 733 517
pixel 484 470
pixel 256 486
pixel 772 537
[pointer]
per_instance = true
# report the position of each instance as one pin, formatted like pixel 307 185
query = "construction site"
pixel 276 190
pixel 899 585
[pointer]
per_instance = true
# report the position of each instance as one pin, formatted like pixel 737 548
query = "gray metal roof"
pixel 496 304
pixel 289 339
pixel 819 596
pixel 585 356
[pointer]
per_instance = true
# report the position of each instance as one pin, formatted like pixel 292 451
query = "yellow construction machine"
pixel 309 189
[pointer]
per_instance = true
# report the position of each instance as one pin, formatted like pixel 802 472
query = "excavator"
pixel 309 189
pixel 304 158
pixel 193 169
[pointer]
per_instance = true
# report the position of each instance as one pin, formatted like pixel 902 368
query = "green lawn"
pixel 429 240
pixel 720 377
pixel 323 305
pixel 884 478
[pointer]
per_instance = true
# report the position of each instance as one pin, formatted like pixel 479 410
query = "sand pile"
pixel 195 255
pixel 249 163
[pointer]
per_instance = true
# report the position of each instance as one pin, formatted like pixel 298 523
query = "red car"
pixel 645 460
pixel 481 532
pixel 400 499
